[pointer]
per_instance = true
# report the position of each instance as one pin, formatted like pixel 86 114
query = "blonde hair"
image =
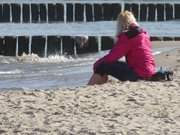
pixel 124 20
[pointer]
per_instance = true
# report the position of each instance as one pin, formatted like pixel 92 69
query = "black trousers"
pixel 119 70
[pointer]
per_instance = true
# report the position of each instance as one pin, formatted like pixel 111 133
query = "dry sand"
pixel 115 108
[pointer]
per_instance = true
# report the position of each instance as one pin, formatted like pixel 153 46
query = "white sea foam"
pixel 28 58
pixel 34 58
pixel 156 52
pixel 16 71
pixel 7 59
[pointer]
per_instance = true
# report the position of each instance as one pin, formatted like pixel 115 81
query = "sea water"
pixel 105 28
pixel 33 72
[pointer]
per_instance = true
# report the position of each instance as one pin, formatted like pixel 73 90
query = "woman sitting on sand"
pixel 133 43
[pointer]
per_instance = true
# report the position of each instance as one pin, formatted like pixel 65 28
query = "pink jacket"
pixel 138 53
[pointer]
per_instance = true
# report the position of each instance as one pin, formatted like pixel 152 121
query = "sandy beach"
pixel 115 108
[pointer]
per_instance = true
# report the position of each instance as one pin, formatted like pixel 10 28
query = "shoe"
pixel 162 75
pixel 169 75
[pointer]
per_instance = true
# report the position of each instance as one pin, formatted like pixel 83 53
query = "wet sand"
pixel 115 108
